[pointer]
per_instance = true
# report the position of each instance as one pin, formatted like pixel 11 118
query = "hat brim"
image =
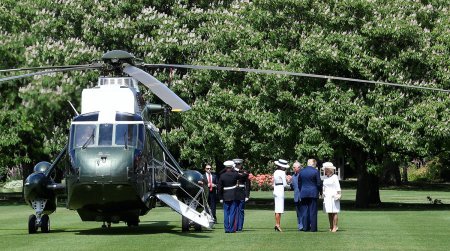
pixel 329 167
pixel 281 165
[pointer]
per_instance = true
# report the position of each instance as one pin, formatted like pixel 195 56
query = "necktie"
pixel 209 182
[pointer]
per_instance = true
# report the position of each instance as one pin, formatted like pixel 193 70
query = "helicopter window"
pixel 126 133
pixel 87 117
pixel 141 136
pixel 105 134
pixel 127 117
pixel 84 135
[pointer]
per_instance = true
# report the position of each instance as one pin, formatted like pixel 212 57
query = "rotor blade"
pixel 50 71
pixel 158 88
pixel 41 68
pixel 221 68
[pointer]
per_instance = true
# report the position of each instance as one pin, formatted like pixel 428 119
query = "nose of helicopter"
pixel 104 165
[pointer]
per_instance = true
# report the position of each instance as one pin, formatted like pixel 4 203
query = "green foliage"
pixel 430 172
pixel 253 116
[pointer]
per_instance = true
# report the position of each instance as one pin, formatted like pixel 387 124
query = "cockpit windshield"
pixel 84 135
pixel 126 134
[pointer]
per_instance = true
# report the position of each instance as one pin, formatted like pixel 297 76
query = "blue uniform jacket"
pixel 309 183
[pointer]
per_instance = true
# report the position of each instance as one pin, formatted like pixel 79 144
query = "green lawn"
pixel 406 222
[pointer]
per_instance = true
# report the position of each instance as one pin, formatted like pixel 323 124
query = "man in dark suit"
pixel 242 194
pixel 211 184
pixel 227 194
pixel 310 186
pixel 294 185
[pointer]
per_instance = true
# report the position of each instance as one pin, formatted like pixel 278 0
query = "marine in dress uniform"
pixel 227 194
pixel 242 194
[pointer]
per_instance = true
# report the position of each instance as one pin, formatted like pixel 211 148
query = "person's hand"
pixel 221 201
pixel 246 199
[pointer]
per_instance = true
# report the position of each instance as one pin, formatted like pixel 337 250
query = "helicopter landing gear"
pixel 108 225
pixel 186 224
pixel 32 228
pixel 39 220
pixel 133 223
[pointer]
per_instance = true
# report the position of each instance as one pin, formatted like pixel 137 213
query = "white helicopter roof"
pixel 110 96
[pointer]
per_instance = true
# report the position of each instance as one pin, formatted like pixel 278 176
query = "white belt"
pixel 229 188
pixel 241 185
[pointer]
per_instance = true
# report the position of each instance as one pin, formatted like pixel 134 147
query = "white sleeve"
pixel 283 177
pixel 336 182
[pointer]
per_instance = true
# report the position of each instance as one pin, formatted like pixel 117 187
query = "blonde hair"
pixel 312 162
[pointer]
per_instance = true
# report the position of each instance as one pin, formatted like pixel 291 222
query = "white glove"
pixel 246 199
pixel 337 196
pixel 221 201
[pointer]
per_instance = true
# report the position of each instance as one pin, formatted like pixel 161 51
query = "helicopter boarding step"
pixel 203 218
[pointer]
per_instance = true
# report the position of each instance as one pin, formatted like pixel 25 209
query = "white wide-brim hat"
pixel 282 163
pixel 328 165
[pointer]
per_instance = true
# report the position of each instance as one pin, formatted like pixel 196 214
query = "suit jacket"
pixel 214 181
pixel 309 182
pixel 294 185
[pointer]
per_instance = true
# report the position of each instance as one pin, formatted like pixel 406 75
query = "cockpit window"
pixel 126 134
pixel 84 135
pixel 105 135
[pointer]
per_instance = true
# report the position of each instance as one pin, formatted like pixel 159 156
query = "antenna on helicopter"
pixel 75 110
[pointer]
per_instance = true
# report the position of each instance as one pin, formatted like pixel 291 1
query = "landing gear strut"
pixel 40 219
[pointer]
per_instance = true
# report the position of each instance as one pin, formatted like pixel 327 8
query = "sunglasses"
pixel 208 168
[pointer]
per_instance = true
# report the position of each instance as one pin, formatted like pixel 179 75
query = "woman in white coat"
pixel 332 195
pixel 279 183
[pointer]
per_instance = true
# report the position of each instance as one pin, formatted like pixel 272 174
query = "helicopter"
pixel 117 166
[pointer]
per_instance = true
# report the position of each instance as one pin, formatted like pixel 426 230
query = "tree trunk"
pixel 368 188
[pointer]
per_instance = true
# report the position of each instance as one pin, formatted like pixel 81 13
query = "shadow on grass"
pixel 349 205
pixel 144 228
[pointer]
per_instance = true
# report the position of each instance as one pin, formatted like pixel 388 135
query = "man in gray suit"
pixel 294 185
pixel 310 186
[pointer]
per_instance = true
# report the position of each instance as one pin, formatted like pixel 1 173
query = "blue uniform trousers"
pixel 308 210
pixel 229 213
pixel 299 215
pixel 240 208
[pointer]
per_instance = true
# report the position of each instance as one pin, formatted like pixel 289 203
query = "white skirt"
pixel 330 205
pixel 279 203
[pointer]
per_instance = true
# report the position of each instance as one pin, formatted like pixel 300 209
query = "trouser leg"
pixel 313 214
pixel 299 215
pixel 304 212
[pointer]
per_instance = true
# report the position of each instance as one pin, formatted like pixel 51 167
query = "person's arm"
pixel 247 188
pixel 318 182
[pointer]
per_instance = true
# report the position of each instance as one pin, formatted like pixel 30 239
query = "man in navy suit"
pixel 294 185
pixel 310 186
pixel 211 184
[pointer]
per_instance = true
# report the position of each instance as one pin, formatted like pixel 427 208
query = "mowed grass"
pixel 407 221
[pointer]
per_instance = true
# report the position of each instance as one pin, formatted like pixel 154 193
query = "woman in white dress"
pixel 332 195
pixel 279 183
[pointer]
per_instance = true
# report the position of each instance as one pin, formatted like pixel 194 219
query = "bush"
pixel 430 172
pixel 264 182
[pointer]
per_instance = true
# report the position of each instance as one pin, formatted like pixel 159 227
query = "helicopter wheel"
pixel 32 224
pixel 45 224
pixel 197 227
pixel 184 224
pixel 132 223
